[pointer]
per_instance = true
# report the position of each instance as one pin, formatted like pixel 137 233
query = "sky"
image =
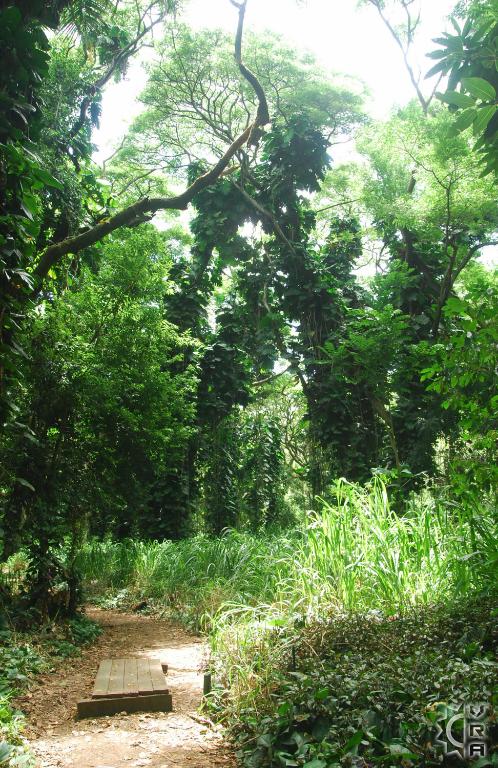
pixel 342 37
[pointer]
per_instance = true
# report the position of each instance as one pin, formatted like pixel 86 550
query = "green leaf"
pixel 316 763
pixel 47 178
pixel 265 740
pixel 455 25
pixel 456 98
pixel 441 54
pixel 284 708
pixel 11 17
pixel 463 121
pixel 29 205
pixel 484 115
pixel 354 741
pixel 321 728
pixel 25 483
pixel 479 88
pixel 441 66
pixel 456 306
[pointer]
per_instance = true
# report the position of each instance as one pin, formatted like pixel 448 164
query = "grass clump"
pixel 357 554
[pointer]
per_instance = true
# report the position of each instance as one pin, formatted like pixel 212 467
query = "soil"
pixel 179 739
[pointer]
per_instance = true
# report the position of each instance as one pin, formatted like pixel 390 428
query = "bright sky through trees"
pixel 343 37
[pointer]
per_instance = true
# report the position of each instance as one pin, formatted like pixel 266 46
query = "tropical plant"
pixel 469 57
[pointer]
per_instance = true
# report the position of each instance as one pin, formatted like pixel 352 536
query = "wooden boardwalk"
pixel 128 685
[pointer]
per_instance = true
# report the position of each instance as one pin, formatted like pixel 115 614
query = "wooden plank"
pixel 144 678
pixel 157 676
pixel 156 702
pixel 130 679
pixel 102 679
pixel 116 678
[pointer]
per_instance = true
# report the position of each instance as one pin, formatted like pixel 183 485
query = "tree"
pixel 195 102
pixel 144 209
pixel 402 19
pixel 109 407
pixel 27 182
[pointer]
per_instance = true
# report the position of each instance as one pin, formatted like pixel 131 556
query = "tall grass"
pixel 252 592
pixel 357 554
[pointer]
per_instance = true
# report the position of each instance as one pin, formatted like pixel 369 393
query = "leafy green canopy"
pixel 463 370
pixel 49 96
pixel 196 101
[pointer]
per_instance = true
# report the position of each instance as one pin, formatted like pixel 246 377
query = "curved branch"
pixel 144 209
pixel 472 251
pixel 263 114
pixel 265 213
pixel 425 103
pixel 450 278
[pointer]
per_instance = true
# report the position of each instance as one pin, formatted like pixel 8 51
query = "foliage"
pixel 112 398
pixel 469 57
pixel 350 637
pixel 463 370
pixel 22 656
pixel 195 100
pixel 262 473
pixel 26 63
pixel 433 214
pixel 378 691
pixel 358 553
pixel 225 369
pixel 17 663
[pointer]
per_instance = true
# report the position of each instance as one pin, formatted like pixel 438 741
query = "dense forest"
pixel 250 382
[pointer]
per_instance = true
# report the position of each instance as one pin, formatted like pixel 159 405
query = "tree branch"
pixel 337 205
pixel 141 210
pixel 471 252
pixel 452 273
pixel 425 103
pixel 145 208
pixel 263 114
pixel 267 215
pixel 272 376
pixel 121 56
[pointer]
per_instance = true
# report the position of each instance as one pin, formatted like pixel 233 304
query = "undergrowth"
pixel 360 689
pixel 342 642
pixel 23 655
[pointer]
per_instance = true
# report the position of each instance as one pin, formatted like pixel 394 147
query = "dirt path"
pixel 177 739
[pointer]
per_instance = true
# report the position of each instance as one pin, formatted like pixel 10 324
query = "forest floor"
pixel 178 739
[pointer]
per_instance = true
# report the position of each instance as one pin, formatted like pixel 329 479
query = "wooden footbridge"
pixel 128 685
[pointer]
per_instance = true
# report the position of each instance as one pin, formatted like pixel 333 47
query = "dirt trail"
pixel 177 739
